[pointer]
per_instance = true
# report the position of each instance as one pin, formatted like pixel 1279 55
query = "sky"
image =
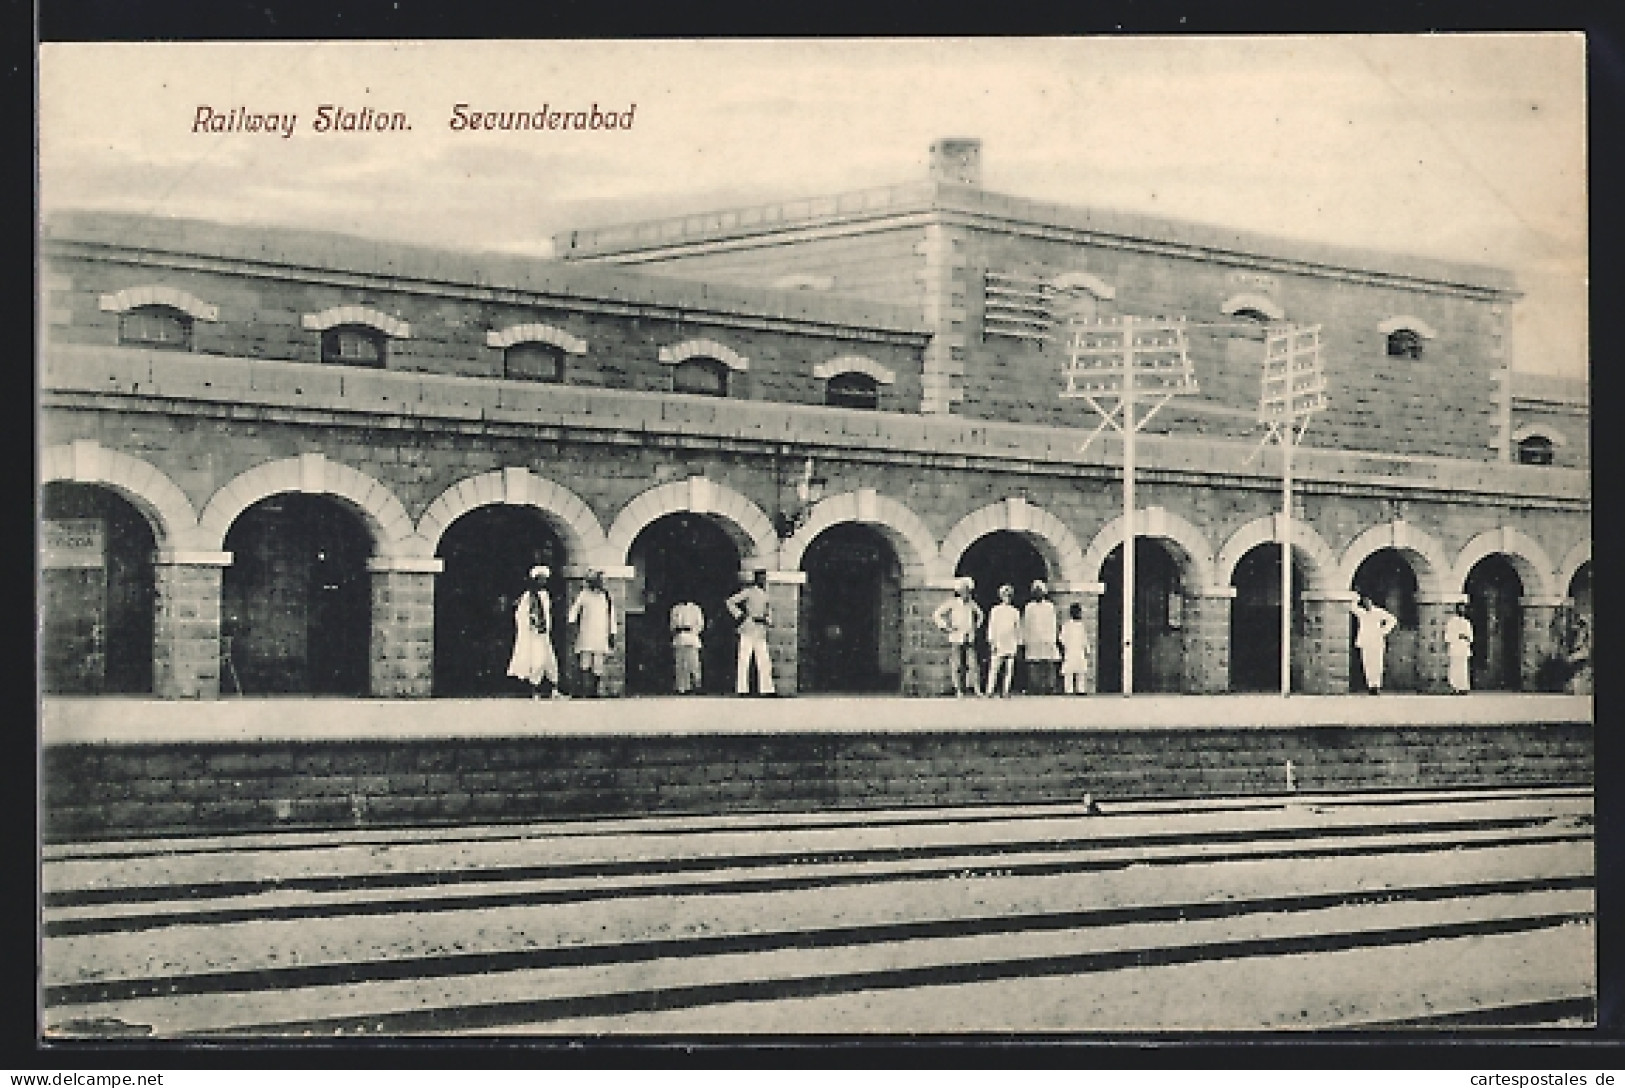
pixel 1464 147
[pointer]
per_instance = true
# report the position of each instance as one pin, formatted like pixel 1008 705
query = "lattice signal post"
pixel 1116 365
pixel 1294 389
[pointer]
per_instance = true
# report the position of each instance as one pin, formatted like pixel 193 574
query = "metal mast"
pixel 1114 365
pixel 1294 389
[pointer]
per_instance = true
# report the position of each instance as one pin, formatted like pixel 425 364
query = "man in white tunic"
pixel 1041 639
pixel 753 612
pixel 594 615
pixel 1371 636
pixel 1458 643
pixel 959 617
pixel 533 660
pixel 1003 640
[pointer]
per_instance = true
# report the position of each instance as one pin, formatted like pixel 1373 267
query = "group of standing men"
pixel 593 614
pixel 1372 625
pixel 1034 632
pixel 752 612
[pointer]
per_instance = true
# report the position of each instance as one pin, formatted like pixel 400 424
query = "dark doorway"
pixel 1387 578
pixel 488 554
pixel 851 625
pixel 678 557
pixel 1000 558
pixel 1580 590
pixel 96 593
pixel 1493 592
pixel 1159 613
pixel 296 603
pixel 1255 621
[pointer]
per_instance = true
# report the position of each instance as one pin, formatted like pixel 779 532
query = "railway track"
pixel 1319 912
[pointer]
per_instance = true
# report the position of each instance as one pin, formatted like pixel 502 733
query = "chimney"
pixel 957 159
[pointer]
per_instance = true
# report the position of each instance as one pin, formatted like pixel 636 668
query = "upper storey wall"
pixel 1448 402
pixel 623 324
pixel 933 245
pixel 883 265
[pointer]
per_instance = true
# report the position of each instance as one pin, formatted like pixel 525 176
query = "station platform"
pixel 117 767
pixel 116 720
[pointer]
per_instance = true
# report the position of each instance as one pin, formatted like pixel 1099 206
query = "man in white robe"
pixel 1458 644
pixel 533 660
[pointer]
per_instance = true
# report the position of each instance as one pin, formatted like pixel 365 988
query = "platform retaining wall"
pixel 94 791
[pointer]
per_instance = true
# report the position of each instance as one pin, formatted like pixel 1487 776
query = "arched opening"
pixel 354 345
pixel 533 361
pixel 701 376
pixel 850 634
pixel 1405 344
pixel 1159 610
pixel 164 328
pixel 1255 621
pixel 96 592
pixel 1387 578
pixel 296 602
pixel 1573 641
pixel 1579 590
pixel 1493 589
pixel 676 558
pixel 488 554
pixel 853 389
pixel 1537 449
pixel 1002 557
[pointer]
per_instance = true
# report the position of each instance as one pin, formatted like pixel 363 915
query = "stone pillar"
pixel 784 637
pixel 186 624
pixel 1207 640
pixel 1325 641
pixel 402 626
pixel 1539 639
pixel 1088 595
pixel 925 650
pixel 1432 656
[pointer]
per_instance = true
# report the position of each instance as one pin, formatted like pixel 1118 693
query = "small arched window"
pixel 1405 344
pixel 533 361
pixel 1537 449
pixel 162 327
pixel 700 375
pixel 353 345
pixel 853 389
pixel 1250 314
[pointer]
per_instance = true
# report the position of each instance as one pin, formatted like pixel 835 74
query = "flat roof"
pixel 324 251
pixel 996 210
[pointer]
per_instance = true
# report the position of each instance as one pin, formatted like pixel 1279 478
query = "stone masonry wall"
pixel 108 791
pixel 260 318
pixel 1441 404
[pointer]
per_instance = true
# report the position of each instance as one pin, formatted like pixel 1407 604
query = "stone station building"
pixel 277 461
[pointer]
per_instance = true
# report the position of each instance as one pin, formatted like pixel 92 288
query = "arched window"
pixel 701 376
pixel 162 327
pixel 1535 450
pixel 353 345
pixel 1247 313
pixel 1405 344
pixel 853 389
pixel 533 361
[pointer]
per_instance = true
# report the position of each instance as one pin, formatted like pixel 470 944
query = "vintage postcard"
pixel 745 538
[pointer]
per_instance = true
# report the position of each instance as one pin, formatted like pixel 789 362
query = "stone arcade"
pixel 282 461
